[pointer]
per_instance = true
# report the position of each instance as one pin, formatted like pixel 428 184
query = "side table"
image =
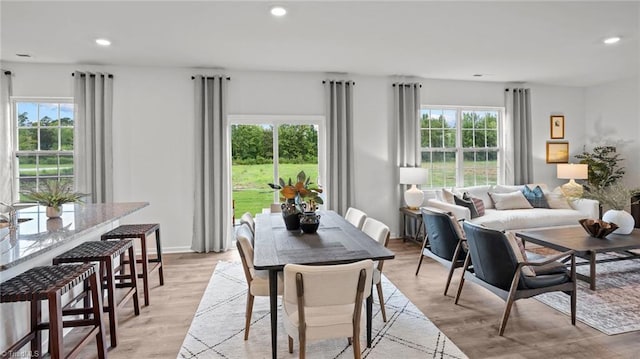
pixel 414 216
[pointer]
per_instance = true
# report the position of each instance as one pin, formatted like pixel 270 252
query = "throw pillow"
pixel 521 255
pixel 557 200
pixel 513 200
pixel 447 196
pixel 466 203
pixel 477 203
pixel 535 197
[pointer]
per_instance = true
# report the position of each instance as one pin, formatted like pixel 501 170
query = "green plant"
pixel 54 194
pixel 604 167
pixel 301 191
pixel 615 196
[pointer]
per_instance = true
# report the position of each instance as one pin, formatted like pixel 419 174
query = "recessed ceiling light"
pixel 477 75
pixel 611 40
pixel 103 42
pixel 278 11
pixel 23 55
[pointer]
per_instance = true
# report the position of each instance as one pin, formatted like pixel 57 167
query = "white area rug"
pixel 614 307
pixel 217 329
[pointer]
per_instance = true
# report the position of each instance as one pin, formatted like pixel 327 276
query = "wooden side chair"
pixel 499 268
pixel 323 302
pixel 445 242
pixel 379 232
pixel 258 281
pixel 355 217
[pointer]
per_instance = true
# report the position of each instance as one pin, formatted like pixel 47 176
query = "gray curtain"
pixel 340 168
pixel 93 140
pixel 6 140
pixel 212 213
pixel 406 101
pixel 518 137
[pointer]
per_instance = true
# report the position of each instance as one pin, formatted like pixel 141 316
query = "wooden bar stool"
pixel 50 283
pixel 141 231
pixel 105 252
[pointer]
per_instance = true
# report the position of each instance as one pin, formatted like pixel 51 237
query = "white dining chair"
pixel 248 219
pixel 379 232
pixel 355 217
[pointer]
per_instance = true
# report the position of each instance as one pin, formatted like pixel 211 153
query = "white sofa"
pixel 515 219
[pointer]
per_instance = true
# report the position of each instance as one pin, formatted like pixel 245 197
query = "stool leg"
pixel 96 298
pixel 55 325
pixel 36 342
pixel 145 268
pixel 134 279
pixel 111 302
pixel 159 250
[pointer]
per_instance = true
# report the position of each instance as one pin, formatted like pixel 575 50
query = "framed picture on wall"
pixel 557 152
pixel 557 127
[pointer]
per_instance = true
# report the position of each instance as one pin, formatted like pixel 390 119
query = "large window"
pixel 44 141
pixel 265 148
pixel 461 145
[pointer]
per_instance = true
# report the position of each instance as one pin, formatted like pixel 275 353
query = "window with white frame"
pixel 44 141
pixel 461 145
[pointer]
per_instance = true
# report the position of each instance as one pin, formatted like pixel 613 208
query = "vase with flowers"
pixel 53 194
pixel 299 197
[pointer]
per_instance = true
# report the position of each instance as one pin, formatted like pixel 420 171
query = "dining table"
pixel 335 242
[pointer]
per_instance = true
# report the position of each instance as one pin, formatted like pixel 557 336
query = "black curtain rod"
pixel 92 75
pixel 352 82
pixel 516 89
pixel 7 72
pixel 210 77
pixel 394 85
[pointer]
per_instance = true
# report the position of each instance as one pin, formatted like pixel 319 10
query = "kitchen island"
pixel 39 239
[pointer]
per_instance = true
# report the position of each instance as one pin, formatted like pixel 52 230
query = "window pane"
pixel 28 139
pixel 27 166
pixel 66 114
pixel 47 166
pixel 298 151
pixel 66 139
pixel 442 168
pixel 480 168
pixel 26 184
pixel 450 138
pixel 66 165
pixel 48 114
pixel 49 139
pixel 436 138
pixel 467 138
pixel 492 138
pixel 27 113
pixel 479 138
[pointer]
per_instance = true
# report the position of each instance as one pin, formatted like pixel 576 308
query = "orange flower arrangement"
pixel 301 191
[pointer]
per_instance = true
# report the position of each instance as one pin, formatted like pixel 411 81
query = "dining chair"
pixel 355 217
pixel 445 241
pixel 257 280
pixel 248 219
pixel 500 267
pixel 324 302
pixel 379 232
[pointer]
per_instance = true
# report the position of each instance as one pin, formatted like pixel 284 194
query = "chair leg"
pixel 381 299
pixel 510 300
pixel 464 270
pixel 419 263
pixel 290 344
pixel 55 326
pixel 454 260
pixel 356 345
pixel 349 341
pixel 424 244
pixel 573 306
pixel 96 302
pixel 303 345
pixel 446 287
pixel 248 315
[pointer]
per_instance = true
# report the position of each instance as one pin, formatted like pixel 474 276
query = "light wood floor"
pixel 534 330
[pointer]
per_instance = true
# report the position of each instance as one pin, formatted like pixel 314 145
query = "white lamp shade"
pixel 413 175
pixel 573 171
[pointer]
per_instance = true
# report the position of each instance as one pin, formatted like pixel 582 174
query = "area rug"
pixel 217 329
pixel 614 307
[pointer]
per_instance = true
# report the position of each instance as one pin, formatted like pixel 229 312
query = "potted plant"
pixel 297 198
pixel 54 194
pixel 604 167
pixel 616 197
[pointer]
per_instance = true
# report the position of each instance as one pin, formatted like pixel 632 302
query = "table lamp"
pixel 413 197
pixel 572 172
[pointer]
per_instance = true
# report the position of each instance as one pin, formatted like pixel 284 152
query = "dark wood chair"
pixel 497 269
pixel 444 242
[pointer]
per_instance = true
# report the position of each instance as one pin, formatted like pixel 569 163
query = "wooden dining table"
pixel 336 242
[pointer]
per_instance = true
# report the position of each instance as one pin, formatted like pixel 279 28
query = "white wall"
pixel 153 127
pixel 613 118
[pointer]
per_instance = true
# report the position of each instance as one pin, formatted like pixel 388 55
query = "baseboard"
pixel 181 249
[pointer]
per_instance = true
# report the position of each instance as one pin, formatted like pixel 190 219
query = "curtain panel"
pixel 340 167
pixel 212 227
pixel 93 138
pixel 6 140
pixel 518 137
pixel 406 102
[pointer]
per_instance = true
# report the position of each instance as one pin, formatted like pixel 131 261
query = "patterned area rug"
pixel 217 329
pixel 614 307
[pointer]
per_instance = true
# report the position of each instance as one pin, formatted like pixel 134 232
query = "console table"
pixel 415 217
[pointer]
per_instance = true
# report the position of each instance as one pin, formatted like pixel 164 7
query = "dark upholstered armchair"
pixel 443 242
pixel 497 269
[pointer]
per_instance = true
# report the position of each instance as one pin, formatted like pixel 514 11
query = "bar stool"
pixel 105 252
pixel 50 283
pixel 141 231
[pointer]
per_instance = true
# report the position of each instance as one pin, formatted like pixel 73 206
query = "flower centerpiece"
pixel 616 197
pixel 301 196
pixel 53 195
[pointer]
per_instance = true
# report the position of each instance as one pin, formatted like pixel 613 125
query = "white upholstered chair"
pixel 355 217
pixel 323 302
pixel 258 281
pixel 248 219
pixel 379 232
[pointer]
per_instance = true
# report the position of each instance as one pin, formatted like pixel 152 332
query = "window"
pixel 44 141
pixel 265 148
pixel 461 145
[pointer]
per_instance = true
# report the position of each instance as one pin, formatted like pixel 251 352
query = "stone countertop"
pixel 39 235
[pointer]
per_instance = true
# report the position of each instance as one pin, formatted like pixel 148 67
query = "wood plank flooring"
pixel 533 331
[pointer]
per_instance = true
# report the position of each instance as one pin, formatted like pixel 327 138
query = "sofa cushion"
pixel 511 200
pixel 467 203
pixel 535 197
pixel 528 218
pixel 557 200
pixel 447 196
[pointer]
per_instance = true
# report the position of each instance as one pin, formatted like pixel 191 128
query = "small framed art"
pixel 557 152
pixel 557 127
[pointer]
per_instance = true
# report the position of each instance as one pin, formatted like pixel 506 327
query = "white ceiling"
pixel 554 42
